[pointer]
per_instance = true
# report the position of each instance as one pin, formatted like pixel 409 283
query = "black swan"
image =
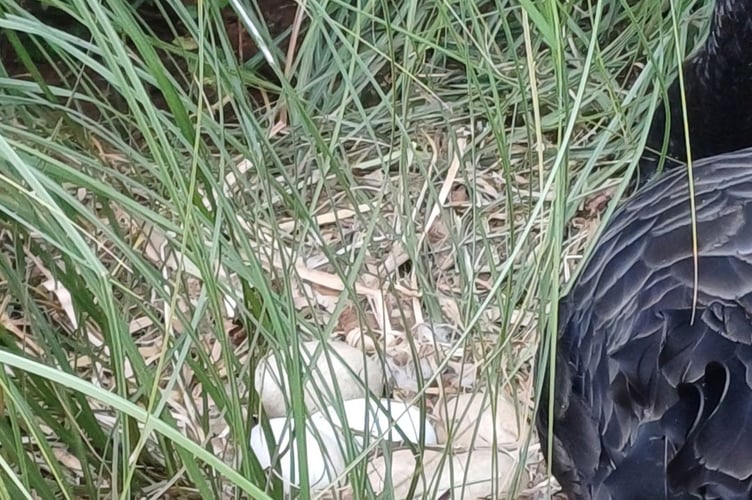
pixel 653 376
pixel 717 81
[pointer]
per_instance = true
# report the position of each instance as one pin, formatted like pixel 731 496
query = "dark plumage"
pixel 647 403
pixel 717 79
pixel 652 390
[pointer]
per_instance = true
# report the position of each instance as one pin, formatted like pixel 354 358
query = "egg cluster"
pixel 345 418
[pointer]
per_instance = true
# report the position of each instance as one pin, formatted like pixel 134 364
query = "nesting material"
pixel 481 473
pixel 335 372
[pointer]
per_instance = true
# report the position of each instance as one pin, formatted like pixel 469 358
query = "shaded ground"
pixel 277 15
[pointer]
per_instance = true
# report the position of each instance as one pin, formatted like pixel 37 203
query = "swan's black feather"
pixel 653 396
pixel 653 376
pixel 718 100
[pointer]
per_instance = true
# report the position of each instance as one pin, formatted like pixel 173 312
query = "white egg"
pixel 385 418
pixel 336 371
pixel 323 456
pixel 476 421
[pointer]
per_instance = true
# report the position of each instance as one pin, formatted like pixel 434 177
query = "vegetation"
pixel 175 204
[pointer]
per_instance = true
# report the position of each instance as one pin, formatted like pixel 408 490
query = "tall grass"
pixel 123 240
